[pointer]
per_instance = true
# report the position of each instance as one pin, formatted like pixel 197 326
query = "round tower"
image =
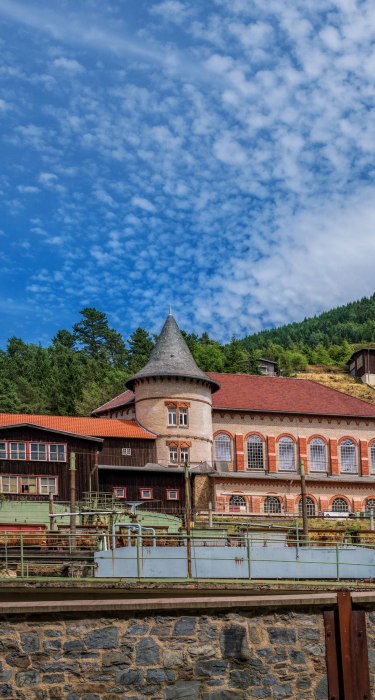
pixel 173 398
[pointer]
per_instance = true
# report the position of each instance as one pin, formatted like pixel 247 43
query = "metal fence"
pixel 126 553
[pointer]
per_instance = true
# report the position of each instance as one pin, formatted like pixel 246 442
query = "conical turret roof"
pixel 171 357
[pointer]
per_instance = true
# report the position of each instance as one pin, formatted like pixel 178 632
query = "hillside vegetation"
pixel 83 367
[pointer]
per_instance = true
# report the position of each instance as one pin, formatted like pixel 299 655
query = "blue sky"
pixel 215 156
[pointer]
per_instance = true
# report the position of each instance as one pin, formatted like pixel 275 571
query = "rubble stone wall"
pixel 232 656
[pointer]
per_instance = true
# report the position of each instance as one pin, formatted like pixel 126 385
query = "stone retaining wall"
pixel 188 657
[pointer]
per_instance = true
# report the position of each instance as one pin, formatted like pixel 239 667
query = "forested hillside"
pixel 85 366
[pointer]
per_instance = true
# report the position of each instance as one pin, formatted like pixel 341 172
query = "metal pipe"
pixel 73 519
pixel 130 526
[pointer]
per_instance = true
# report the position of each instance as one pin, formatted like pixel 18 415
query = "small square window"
pixel 17 450
pixel 3 450
pixel 147 494
pixel 28 484
pixel 38 451
pixel 9 484
pixel 126 451
pixel 57 453
pixel 173 495
pixel 119 491
pixel 47 485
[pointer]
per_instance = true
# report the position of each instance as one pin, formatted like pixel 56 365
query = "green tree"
pixel 140 345
pixel 93 335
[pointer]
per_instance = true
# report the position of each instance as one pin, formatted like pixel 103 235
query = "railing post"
pixel 22 559
pixel 6 549
pixel 138 555
pixel 297 539
pixel 337 563
pixel 248 542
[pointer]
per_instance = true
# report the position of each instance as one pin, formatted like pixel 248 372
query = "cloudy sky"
pixel 216 156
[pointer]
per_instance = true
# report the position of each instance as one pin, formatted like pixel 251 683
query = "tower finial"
pixel 170 310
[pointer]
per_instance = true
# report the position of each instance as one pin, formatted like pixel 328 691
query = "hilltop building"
pixel 362 365
pixel 251 433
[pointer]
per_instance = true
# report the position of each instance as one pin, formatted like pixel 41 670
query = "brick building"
pixel 253 432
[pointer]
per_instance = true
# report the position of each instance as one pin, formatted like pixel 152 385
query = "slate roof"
pixel 171 357
pixel 284 395
pixel 96 427
pixel 126 397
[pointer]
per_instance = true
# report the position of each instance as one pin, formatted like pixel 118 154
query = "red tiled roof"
pixel 284 395
pixel 120 400
pixel 96 427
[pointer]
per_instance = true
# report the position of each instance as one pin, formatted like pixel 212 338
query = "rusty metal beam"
pixel 333 674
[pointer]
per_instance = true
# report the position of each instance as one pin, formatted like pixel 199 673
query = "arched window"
pixel 287 454
pixel 255 454
pixel 339 505
pixel 223 448
pixel 237 503
pixel 310 506
pixel 318 456
pixel 348 453
pixel 272 505
pixel 370 505
pixel 372 458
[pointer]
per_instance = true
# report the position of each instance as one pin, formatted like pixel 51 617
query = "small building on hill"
pixel 362 365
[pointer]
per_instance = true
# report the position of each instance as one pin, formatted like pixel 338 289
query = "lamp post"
pixel 304 502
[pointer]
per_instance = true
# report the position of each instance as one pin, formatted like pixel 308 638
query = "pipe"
pixel 131 526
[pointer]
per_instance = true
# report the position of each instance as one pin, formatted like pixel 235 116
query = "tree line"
pixel 82 368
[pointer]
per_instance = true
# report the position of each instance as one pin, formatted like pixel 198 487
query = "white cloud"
pixel 143 203
pixel 69 65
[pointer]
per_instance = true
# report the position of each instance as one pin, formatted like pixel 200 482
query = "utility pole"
pixel 304 503
pixel 73 520
pixel 187 516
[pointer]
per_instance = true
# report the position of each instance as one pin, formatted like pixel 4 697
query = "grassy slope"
pixel 341 382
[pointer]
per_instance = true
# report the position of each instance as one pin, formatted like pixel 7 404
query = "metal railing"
pixel 128 552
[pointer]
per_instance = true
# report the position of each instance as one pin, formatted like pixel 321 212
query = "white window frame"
pixel 32 479
pixel 126 451
pixel 256 459
pixel 186 457
pixel 183 417
pixel 172 416
pixel 223 448
pixel 340 502
pixel 173 455
pixel 5 443
pixel 283 443
pixel 117 489
pixel 146 498
pixel 40 478
pixel 317 462
pixel 372 458
pixel 310 507
pixel 56 444
pixel 38 445
pixel 347 467
pixel 10 477
pixel 169 497
pixel 16 442
pixel 269 503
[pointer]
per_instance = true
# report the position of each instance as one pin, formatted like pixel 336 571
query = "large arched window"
pixel 372 458
pixel 223 448
pixel 287 454
pixel 370 505
pixel 272 505
pixel 237 503
pixel 348 454
pixel 255 452
pixel 318 455
pixel 339 505
pixel 310 506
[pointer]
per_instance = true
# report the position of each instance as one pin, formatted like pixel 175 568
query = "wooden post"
pixel 73 518
pixel 304 503
pixel 187 517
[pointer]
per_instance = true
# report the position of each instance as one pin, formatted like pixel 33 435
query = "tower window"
pixel 184 455
pixel 183 417
pixel 172 415
pixel 173 455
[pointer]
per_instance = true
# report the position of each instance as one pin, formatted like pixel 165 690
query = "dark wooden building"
pixel 158 488
pixel 362 365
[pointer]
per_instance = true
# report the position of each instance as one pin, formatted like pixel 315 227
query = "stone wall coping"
pixel 172 604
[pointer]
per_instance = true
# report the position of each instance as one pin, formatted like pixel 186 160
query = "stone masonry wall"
pixel 192 657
